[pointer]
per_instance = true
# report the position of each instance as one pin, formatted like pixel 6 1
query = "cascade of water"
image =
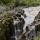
pixel 30 13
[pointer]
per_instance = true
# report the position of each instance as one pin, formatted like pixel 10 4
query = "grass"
pixel 38 37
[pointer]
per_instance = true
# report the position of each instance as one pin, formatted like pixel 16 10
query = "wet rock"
pixel 27 29
pixel 37 18
pixel 18 15
pixel 2 8
pixel 4 26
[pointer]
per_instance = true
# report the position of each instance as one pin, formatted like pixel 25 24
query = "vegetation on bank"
pixel 21 2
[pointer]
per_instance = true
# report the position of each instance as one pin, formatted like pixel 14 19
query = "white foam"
pixel 30 12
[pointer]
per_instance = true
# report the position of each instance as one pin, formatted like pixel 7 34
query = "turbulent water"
pixel 31 13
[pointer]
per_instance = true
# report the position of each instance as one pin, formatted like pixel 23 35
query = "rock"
pixel 37 19
pixel 2 8
pixel 38 16
pixel 18 15
pixel 4 26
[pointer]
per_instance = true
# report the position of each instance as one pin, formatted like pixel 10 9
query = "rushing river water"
pixel 31 13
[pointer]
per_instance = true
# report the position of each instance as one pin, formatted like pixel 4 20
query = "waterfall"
pixel 31 13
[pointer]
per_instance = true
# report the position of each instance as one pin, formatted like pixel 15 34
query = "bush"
pixel 8 2
pixel 21 2
pixel 27 2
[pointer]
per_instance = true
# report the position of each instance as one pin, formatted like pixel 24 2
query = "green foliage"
pixel 21 2
pixel 29 2
pixel 8 2
pixel 38 37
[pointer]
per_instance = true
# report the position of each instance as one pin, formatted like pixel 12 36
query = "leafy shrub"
pixel 21 2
